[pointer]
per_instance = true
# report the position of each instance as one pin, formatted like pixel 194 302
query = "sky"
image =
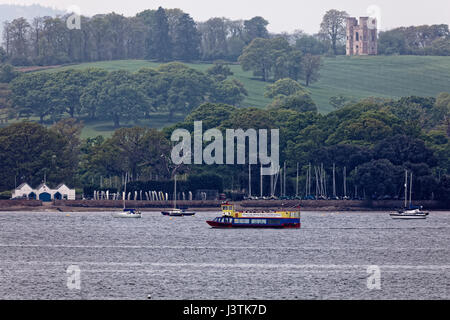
pixel 283 15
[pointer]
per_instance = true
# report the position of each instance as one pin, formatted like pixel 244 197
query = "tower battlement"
pixel 362 36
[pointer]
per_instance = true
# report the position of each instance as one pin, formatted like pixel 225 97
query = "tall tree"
pixel 71 130
pixel 256 28
pixel 161 44
pixel 117 96
pixel 37 28
pixel 261 54
pixel 186 39
pixel 333 27
pixel 28 151
pixel 186 88
pixel 136 38
pixel 18 31
pixel 310 68
pixel 288 65
pixel 30 97
pixel 7 37
pixel 66 88
pixel 214 39
pixel 117 35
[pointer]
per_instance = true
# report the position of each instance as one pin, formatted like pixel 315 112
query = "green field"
pixel 358 77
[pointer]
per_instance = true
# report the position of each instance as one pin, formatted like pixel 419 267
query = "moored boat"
pixel 409 212
pixel 176 212
pixel 128 213
pixel 280 219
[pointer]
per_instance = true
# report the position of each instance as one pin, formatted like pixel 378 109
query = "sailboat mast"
pixel 345 182
pixel 261 181
pixel 175 193
pixel 249 180
pixel 406 187
pixel 410 191
pixel 334 181
pixel 125 191
pixel 309 179
pixel 296 186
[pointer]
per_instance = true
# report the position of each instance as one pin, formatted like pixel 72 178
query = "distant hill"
pixel 9 12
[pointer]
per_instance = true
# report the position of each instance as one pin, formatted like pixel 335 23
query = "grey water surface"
pixel 183 258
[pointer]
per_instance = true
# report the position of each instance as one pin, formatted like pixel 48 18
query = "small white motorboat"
pixel 128 213
pixel 173 213
pixel 177 213
pixel 410 214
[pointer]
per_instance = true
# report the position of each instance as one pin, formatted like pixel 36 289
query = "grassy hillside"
pixel 358 77
pixel 381 76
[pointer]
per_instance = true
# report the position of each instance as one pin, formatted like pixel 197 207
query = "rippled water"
pixel 183 258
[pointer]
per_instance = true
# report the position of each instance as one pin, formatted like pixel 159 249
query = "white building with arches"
pixel 44 192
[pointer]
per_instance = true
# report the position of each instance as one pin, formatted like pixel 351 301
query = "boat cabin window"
pixel 259 221
pixel 242 221
pixel 223 220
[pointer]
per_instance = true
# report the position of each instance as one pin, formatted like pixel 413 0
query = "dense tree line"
pixel 416 40
pixel 171 88
pixel 162 34
pixel 373 141
pixel 173 35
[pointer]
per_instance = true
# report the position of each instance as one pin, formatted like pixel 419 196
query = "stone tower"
pixel 362 38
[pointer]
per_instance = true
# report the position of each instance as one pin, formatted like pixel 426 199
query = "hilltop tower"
pixel 362 38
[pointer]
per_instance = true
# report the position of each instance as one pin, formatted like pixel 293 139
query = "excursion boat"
pixel 256 219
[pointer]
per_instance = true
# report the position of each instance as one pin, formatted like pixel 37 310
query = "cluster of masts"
pixel 319 175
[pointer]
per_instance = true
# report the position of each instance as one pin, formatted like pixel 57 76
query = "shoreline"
pixel 59 209
pixel 68 210
pixel 214 205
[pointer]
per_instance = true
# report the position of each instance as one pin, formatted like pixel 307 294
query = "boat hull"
pixel 408 216
pixel 188 214
pixel 176 213
pixel 126 215
pixel 235 223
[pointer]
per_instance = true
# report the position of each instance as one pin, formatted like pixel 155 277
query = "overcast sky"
pixel 283 15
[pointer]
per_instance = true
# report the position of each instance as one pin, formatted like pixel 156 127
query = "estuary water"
pixel 183 258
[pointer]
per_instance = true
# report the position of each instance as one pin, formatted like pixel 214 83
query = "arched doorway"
pixel 32 196
pixel 45 197
pixel 57 196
